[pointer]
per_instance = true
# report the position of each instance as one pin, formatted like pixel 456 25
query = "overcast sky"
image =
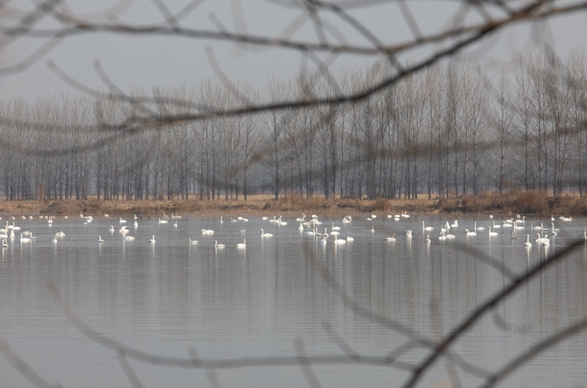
pixel 147 62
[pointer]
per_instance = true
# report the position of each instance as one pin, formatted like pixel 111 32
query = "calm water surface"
pixel 175 299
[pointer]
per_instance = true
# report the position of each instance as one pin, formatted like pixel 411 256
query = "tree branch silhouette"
pixel 23 367
pixel 486 307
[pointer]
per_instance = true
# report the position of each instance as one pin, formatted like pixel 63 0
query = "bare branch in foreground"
pixel 128 370
pixel 23 368
pixel 211 374
pixel 196 363
pixel 339 340
pixel 535 351
pixel 484 308
pixel 306 365
pixel 415 341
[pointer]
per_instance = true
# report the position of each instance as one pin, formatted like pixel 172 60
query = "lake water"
pixel 270 303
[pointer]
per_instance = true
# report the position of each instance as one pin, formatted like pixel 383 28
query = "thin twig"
pixel 306 365
pixel 128 370
pixel 484 308
pixel 535 351
pixel 23 368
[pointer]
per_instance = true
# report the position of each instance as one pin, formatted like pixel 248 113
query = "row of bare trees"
pixel 449 130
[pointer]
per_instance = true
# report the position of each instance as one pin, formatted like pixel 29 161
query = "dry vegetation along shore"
pixel 519 202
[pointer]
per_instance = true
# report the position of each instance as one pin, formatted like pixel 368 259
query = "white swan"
pixel 428 241
pixel 111 228
pixel 514 235
pixel 24 239
pixel 128 238
pixel 263 234
pixel 218 246
pixel 315 220
pixel 242 245
pixel 528 243
pixel 193 242
pixel 100 240
pixel 349 238
pixel 491 234
pixel 207 232
pixel 120 220
pixel 163 221
pixel 392 238
pixel 312 232
pixel 428 228
pixel 152 240
pixel 542 240
pixel 469 233
pixel 340 241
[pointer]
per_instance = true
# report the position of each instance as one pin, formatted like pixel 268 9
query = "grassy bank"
pixel 520 202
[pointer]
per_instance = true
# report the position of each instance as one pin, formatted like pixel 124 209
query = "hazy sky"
pixel 147 62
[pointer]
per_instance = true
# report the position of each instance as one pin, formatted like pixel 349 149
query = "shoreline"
pixel 523 202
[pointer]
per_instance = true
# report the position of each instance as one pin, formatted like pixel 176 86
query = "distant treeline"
pixel 448 130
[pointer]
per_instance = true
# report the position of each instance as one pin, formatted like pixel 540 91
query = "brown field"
pixel 520 202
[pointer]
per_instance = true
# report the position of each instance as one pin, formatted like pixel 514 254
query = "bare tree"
pixel 503 122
